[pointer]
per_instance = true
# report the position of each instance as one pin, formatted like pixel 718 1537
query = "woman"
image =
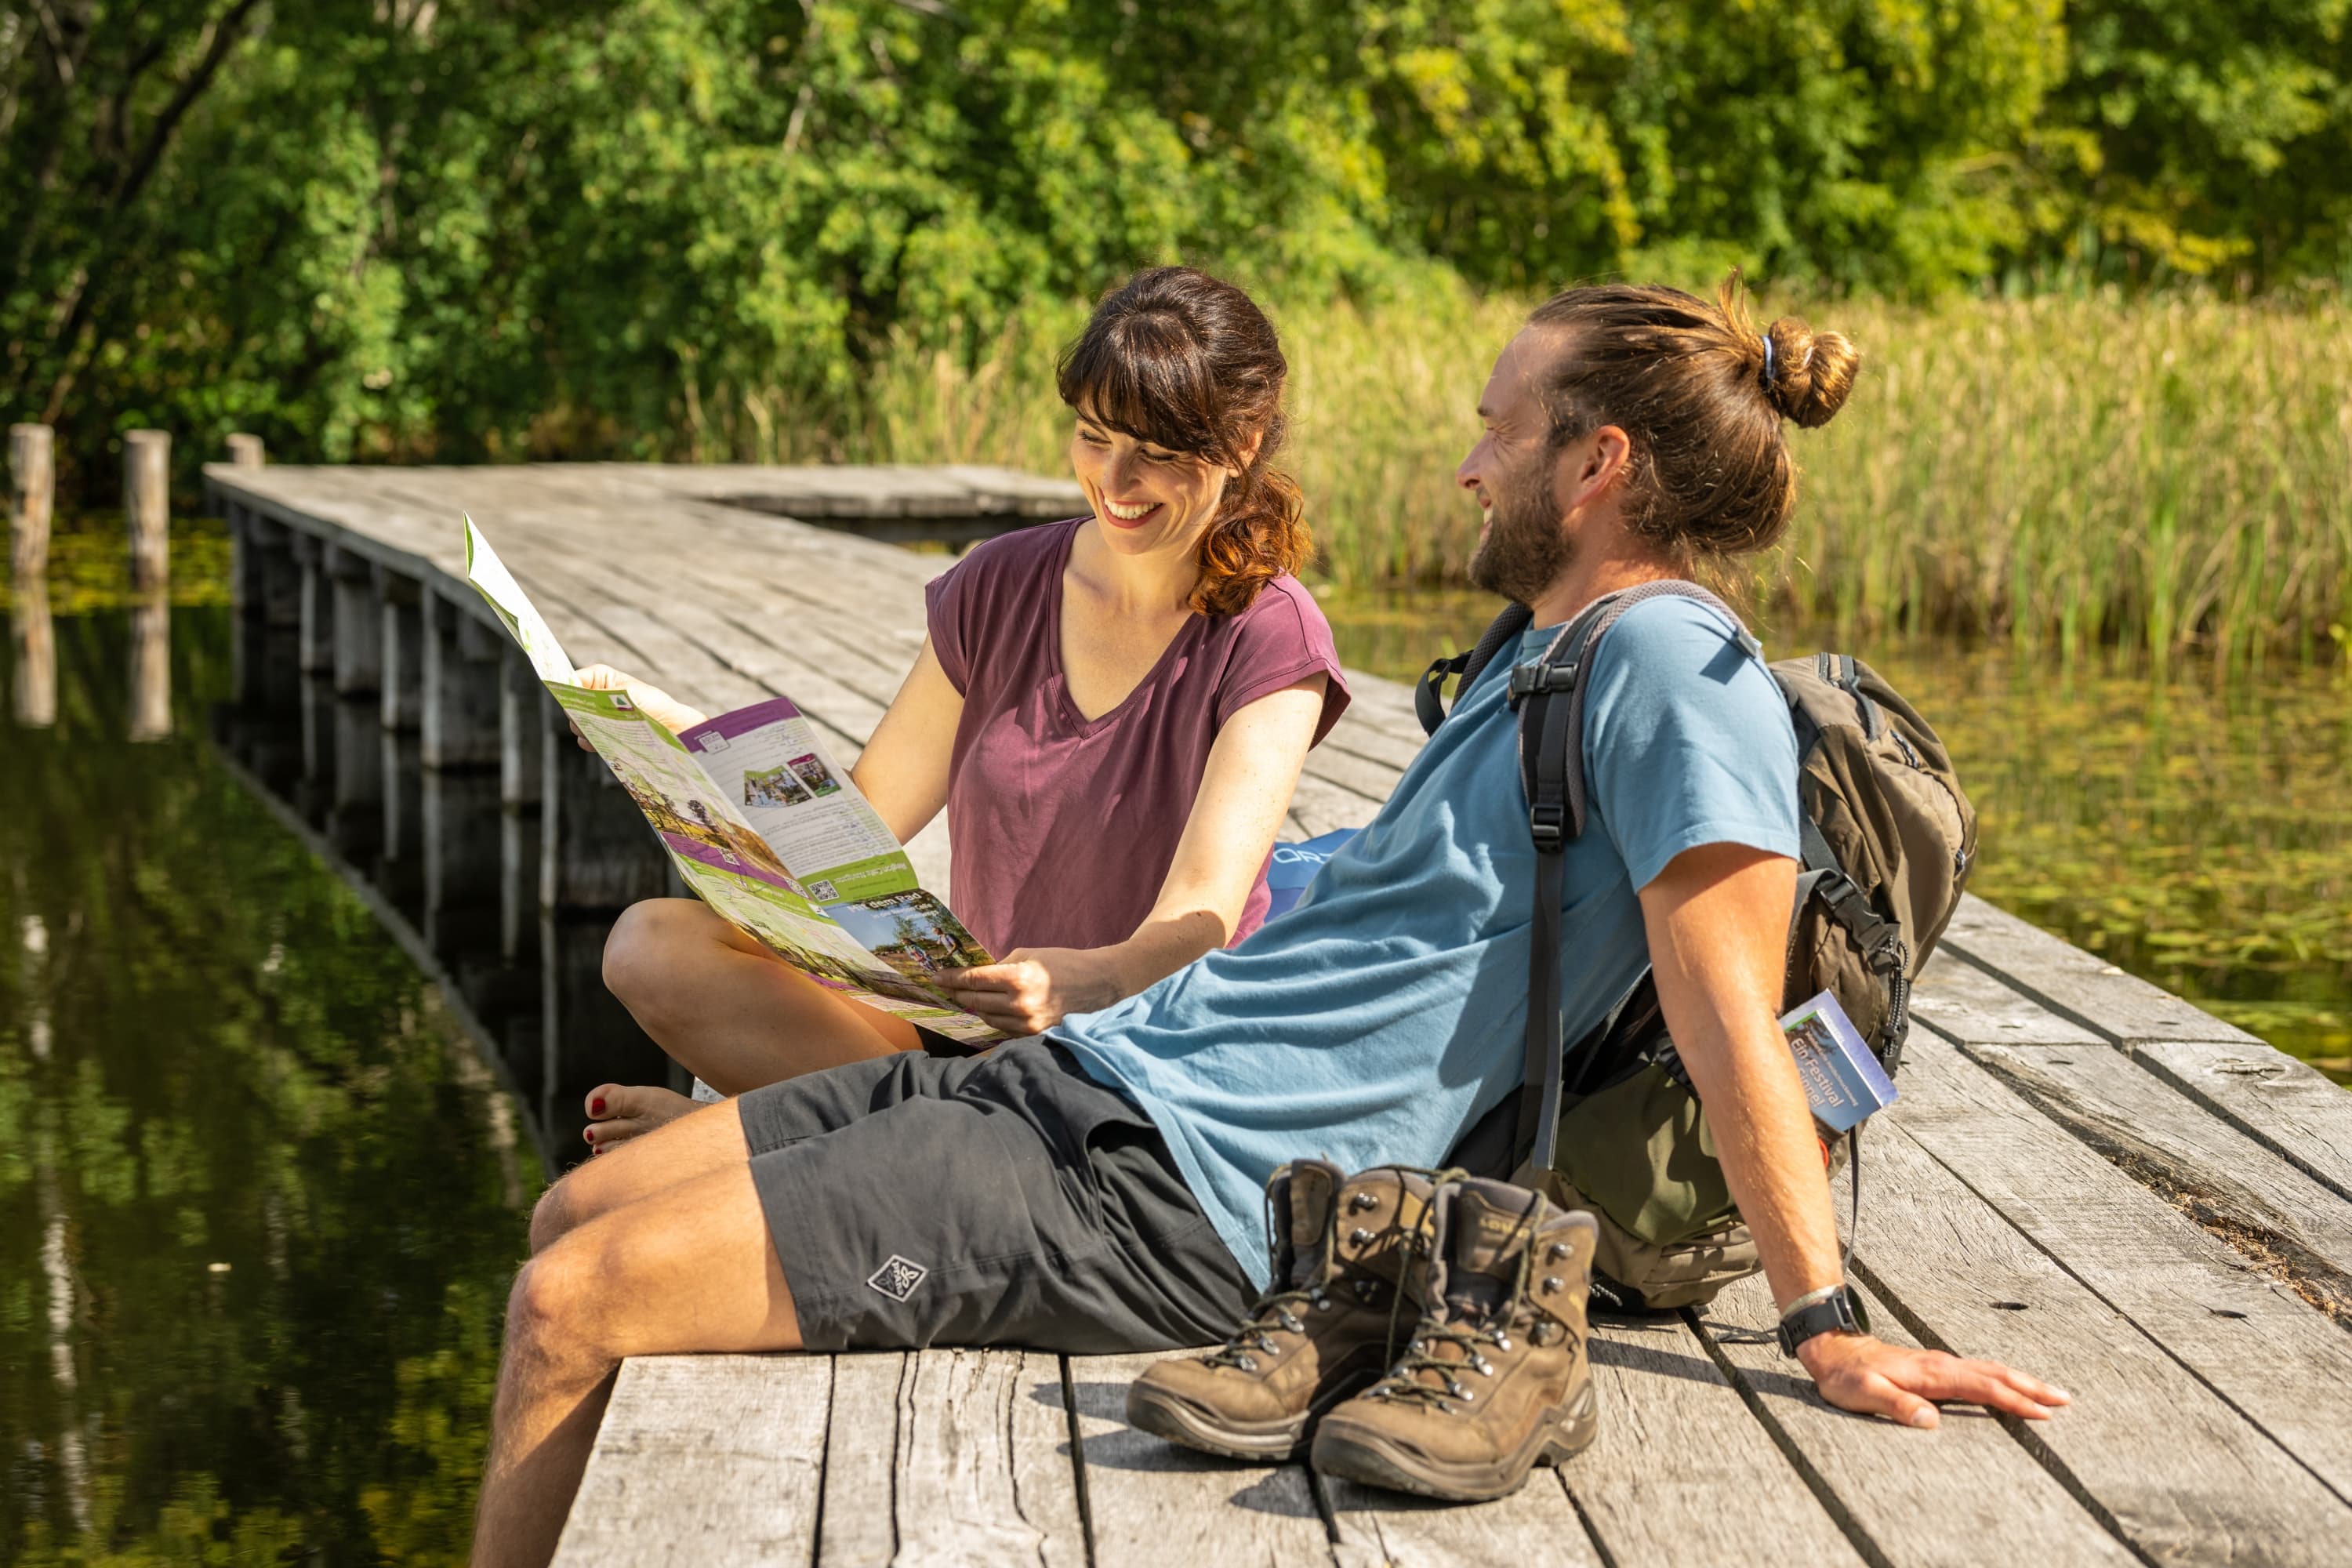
pixel 1114 711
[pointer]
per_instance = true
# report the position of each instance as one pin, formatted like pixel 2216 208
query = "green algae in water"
pixel 258 1203
pixel 2194 828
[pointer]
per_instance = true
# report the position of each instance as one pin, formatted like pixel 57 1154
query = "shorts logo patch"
pixel 898 1277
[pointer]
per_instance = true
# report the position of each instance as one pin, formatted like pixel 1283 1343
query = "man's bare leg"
pixel 727 1009
pixel 688 1268
pixel 709 1139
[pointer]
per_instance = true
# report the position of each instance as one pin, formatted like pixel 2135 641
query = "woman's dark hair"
pixel 1702 394
pixel 1188 362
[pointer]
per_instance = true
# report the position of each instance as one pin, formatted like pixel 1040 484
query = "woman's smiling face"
pixel 1145 496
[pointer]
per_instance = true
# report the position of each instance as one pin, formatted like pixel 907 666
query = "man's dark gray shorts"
pixel 983 1200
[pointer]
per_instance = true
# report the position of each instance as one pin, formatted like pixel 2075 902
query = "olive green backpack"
pixel 1888 839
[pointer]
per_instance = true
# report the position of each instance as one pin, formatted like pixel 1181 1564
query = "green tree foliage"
pixel 490 229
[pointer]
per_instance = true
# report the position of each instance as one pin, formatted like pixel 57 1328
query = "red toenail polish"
pixel 596 1106
pixel 589 1134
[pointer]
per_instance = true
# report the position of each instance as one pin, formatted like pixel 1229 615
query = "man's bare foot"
pixel 619 1111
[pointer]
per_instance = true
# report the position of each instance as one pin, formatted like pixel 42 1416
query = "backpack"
pixel 1888 839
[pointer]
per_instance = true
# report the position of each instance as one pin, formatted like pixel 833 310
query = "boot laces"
pixel 1282 1309
pixel 1478 1328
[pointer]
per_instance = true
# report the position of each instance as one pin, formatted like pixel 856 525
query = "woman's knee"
pixel 651 948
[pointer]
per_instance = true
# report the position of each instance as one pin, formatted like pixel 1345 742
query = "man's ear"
pixel 1589 468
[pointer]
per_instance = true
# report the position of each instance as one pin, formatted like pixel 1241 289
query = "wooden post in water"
pixel 147 505
pixel 461 680
pixel 314 642
pixel 32 492
pixel 37 653
pixel 245 451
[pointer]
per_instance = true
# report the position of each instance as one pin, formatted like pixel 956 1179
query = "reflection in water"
pixel 34 684
pixel 2196 830
pixel 151 669
pixel 259 1202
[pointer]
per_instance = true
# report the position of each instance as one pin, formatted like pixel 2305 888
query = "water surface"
pixel 258 1201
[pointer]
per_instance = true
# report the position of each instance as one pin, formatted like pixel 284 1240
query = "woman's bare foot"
pixel 619 1111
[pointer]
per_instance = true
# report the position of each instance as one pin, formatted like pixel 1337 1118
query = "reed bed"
pixel 2064 471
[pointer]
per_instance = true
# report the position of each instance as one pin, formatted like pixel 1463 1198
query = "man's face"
pixel 1522 547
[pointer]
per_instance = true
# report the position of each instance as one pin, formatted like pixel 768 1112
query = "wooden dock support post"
pixel 400 664
pixel 461 866
pixel 522 747
pixel 32 494
pixel 356 622
pixel 268 582
pixel 461 675
pixel 245 451
pixel 596 851
pixel 147 505
pixel 315 645
pixel 36 691
pixel 151 667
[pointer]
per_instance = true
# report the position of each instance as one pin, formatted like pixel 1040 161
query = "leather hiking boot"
pixel 1345 1253
pixel 1494 1380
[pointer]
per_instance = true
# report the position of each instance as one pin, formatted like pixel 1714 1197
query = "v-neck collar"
pixel 1068 705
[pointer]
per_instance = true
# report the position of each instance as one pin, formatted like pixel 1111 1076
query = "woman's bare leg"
pixel 727 1010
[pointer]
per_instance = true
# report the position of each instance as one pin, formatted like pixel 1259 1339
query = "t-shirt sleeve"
pixel 1687 741
pixel 1281 641
pixel 949 610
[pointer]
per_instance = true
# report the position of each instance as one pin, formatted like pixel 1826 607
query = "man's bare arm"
pixel 1717 919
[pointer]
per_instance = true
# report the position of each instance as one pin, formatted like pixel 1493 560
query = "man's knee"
pixel 556 1311
pixel 641 955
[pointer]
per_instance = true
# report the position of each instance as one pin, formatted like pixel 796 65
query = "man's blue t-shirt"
pixel 1379 1019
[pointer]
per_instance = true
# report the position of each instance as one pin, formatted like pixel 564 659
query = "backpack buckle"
pixel 1548 823
pixel 1530 678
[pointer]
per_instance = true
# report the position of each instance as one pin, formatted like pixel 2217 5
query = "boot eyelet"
pixel 1553 1283
pixel 1291 1324
pixel 1246 1361
pixel 1319 1301
pixel 1482 1367
pixel 1359 1236
pixel 1460 1392
pixel 1363 1201
pixel 1558 1251
pixel 1503 1344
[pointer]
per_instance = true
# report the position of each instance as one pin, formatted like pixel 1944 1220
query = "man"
pixel 1099 1188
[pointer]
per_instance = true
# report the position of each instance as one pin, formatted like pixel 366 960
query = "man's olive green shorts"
pixel 998 1199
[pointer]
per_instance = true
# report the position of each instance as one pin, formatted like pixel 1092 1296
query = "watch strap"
pixel 1839 1312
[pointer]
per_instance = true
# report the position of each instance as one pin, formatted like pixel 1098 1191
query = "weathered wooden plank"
pixel 1675 1444
pixel 1534 1524
pixel 861 1450
pixel 1964 1003
pixel 2169 1144
pixel 704 1460
pixel 2184 1476
pixel 983 1470
pixel 2285 1366
pixel 2281 1103
pixel 1962 1494
pixel 1149 1499
pixel 2076 985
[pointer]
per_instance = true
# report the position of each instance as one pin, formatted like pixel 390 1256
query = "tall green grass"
pixel 2064 471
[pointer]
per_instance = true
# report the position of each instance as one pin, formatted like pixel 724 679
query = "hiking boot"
pixel 1494 1380
pixel 1345 1253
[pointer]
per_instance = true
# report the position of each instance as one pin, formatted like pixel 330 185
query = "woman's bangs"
pixel 1144 383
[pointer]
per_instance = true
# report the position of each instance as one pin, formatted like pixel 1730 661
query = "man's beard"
pixel 1525 550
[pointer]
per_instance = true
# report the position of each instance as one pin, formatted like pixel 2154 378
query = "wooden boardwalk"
pixel 2084 1176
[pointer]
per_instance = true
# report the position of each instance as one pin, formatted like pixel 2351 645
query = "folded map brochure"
pixel 1844 1080
pixel 767 829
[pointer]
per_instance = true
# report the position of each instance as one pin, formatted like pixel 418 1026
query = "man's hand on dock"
pixel 1860 1373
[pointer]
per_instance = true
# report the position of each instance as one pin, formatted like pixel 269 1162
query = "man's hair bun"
pixel 1807 375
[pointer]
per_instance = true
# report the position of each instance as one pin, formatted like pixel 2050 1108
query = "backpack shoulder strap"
pixel 1428 703
pixel 1548 694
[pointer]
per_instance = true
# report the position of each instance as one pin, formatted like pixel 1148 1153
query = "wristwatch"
pixel 1831 1311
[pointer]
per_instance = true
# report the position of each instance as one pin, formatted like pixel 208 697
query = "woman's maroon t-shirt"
pixel 1062 829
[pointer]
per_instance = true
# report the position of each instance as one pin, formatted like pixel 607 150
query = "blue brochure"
pixel 1842 1080
pixel 1294 866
